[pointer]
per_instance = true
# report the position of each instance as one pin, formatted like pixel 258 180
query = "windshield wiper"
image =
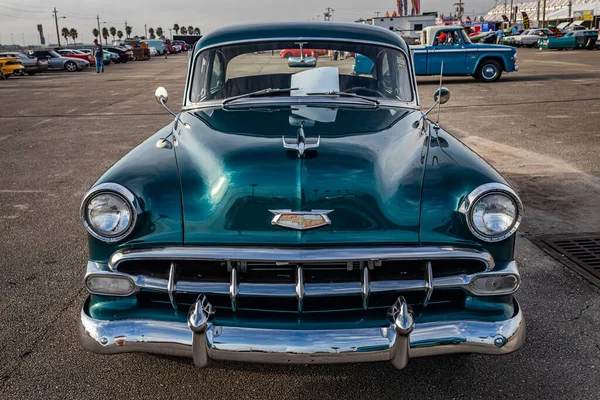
pixel 258 93
pixel 344 94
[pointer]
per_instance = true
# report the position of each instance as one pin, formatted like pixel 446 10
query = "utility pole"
pixel 570 9
pixel 538 14
pixel 99 31
pixel 377 14
pixel 512 12
pixel 145 31
pixel 544 15
pixel 23 37
pixel 171 33
pixel 460 10
pixel 55 12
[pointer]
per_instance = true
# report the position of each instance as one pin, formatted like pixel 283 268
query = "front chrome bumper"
pixel 202 340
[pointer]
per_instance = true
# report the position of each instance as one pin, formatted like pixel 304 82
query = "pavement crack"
pixel 584 309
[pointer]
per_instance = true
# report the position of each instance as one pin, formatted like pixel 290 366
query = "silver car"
pixel 58 62
pixel 32 64
pixel 530 38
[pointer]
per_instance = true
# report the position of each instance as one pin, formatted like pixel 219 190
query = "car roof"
pixel 301 31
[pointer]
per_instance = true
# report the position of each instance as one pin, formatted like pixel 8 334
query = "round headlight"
pixel 493 212
pixel 108 212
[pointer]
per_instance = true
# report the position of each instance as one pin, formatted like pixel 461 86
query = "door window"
pixel 447 38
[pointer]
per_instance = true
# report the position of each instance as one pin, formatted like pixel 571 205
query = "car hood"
pixel 367 171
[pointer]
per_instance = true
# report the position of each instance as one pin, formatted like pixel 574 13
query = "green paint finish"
pixel 297 31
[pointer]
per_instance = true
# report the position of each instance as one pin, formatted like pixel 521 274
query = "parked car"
pixel 10 66
pixel 530 38
pixel 287 53
pixel 577 39
pixel 153 51
pixel 484 37
pixel 58 62
pixel 77 54
pixel 32 65
pixel 108 56
pixel 450 45
pixel 124 54
pixel 184 45
pixel 156 44
pixel 332 222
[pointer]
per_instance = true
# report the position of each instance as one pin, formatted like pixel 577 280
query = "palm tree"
pixel 65 32
pixel 151 33
pixel 119 34
pixel 105 35
pixel 176 28
pixel 190 30
pixel 128 31
pixel 74 34
pixel 95 33
pixel 113 32
pixel 197 31
pixel 183 30
pixel 159 32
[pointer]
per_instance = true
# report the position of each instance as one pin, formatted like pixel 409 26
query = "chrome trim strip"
pixel 300 287
pixel 302 255
pixel 172 285
pixel 301 346
pixel 428 283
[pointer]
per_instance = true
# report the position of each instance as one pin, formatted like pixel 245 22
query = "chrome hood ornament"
pixel 301 145
pixel 301 220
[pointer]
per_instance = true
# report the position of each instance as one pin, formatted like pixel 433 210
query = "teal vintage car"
pixel 582 39
pixel 294 212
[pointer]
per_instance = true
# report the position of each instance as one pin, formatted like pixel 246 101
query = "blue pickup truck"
pixel 450 44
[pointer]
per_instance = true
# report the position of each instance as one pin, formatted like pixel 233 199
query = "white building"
pixel 585 12
pixel 409 27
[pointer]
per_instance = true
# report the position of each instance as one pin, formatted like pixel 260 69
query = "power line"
pixel 22 10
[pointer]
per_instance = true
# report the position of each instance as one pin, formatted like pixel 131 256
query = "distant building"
pixel 583 12
pixel 409 27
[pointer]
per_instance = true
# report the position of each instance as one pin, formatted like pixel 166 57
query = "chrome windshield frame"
pixel 414 104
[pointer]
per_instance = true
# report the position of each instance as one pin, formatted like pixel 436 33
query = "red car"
pixel 287 53
pixel 77 54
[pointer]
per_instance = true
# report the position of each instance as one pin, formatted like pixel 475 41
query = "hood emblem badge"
pixel 301 220
pixel 301 144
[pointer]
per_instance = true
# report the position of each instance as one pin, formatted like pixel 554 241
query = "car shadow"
pixel 508 78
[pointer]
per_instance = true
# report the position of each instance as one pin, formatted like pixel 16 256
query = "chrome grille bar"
pixel 300 287
pixel 296 256
pixel 172 284
pixel 365 287
pixel 234 288
pixel 428 283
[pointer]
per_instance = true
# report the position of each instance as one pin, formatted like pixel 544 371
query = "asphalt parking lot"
pixel 60 131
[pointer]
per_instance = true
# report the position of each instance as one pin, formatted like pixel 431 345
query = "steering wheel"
pixel 364 91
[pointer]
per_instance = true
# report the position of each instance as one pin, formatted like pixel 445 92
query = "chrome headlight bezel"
pixel 467 205
pixel 116 190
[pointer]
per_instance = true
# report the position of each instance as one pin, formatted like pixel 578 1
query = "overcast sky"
pixel 22 16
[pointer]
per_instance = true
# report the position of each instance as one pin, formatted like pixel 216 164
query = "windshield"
pixel 54 54
pixel 324 68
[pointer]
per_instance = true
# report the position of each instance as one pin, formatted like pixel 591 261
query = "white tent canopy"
pixel 564 12
pixel 555 9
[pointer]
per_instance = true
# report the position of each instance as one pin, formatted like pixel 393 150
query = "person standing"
pixel 500 34
pixel 99 56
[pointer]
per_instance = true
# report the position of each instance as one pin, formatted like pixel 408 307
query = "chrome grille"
pixel 302 285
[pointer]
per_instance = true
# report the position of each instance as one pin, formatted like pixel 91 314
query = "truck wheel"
pixel 489 71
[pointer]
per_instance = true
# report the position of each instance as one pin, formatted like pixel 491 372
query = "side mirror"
pixel 302 62
pixel 442 95
pixel 161 95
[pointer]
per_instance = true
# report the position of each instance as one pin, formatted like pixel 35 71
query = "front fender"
pixel 150 173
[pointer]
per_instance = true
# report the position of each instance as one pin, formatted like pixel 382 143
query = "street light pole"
pixel 55 12
pixel 23 37
pixel 544 15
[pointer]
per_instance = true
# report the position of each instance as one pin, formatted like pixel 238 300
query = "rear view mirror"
pixel 302 62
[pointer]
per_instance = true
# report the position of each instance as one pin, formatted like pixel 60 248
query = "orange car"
pixel 287 53
pixel 9 66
